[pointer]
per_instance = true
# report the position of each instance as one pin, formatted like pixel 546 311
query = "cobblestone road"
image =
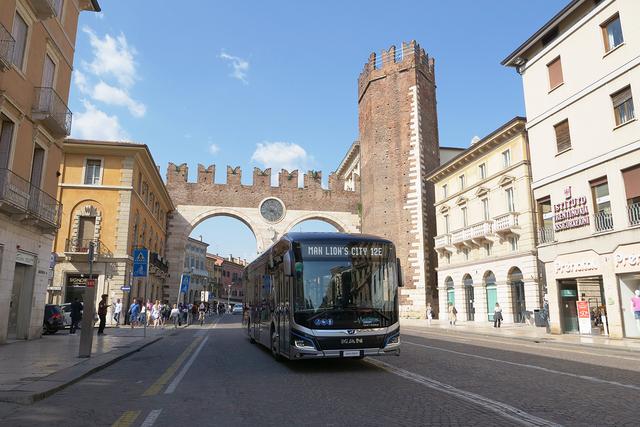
pixel 214 376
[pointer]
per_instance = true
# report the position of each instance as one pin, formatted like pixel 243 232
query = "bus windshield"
pixel 351 286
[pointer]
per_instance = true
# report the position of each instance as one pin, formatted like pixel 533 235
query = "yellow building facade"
pixel 37 45
pixel 114 197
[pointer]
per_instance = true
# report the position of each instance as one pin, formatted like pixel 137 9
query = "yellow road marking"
pixel 126 419
pixel 156 387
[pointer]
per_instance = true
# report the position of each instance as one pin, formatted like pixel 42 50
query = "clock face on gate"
pixel 272 210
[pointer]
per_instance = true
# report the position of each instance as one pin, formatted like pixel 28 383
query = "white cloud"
pixel 281 155
pixel 112 95
pixel 112 56
pixel 214 149
pixel 239 66
pixel 80 80
pixel 96 124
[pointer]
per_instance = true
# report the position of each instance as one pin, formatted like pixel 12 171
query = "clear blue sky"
pixel 236 83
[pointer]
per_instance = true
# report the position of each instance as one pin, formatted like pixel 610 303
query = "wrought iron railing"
pixel 19 195
pixel 7 44
pixel 81 246
pixel 546 235
pixel 52 110
pixel 634 214
pixel 157 261
pixel 603 221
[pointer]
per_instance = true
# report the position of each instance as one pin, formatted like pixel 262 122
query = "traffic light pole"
pixel 88 308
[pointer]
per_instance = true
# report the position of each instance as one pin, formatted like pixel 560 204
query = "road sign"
pixel 185 281
pixel 140 262
pixel 125 288
pixel 91 283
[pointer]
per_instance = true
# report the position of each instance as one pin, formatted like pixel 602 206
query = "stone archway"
pixel 195 202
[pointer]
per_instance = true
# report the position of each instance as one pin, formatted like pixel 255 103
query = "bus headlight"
pixel 394 339
pixel 303 344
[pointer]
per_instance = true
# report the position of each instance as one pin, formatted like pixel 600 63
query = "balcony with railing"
pixel 442 242
pixel 603 221
pixel 480 232
pixel 44 9
pixel 50 110
pixel 78 249
pixel 7 43
pixel 634 214
pixel 457 237
pixel 18 196
pixel 546 235
pixel 157 264
pixel 505 224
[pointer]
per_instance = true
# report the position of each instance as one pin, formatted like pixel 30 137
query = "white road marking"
pixel 507 411
pixel 151 418
pixel 457 338
pixel 524 365
pixel 185 368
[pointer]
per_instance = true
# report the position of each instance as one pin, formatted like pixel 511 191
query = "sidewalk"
pixel 524 332
pixel 33 370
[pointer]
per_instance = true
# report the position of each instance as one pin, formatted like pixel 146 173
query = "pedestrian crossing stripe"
pixel 128 418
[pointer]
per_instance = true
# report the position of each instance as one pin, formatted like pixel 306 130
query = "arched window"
pixel 451 295
pixel 516 283
pixel 492 293
pixel 469 297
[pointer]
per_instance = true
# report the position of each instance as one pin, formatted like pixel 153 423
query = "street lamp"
pixel 228 296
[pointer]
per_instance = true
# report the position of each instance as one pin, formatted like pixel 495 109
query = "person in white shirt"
pixel 117 309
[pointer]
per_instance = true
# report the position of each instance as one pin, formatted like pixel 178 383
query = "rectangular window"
pixel 487 249
pixel 510 200
pixel 506 158
pixel 485 209
pixel 513 241
pixel 555 73
pixel 446 224
pixel 545 213
pixel 57 5
pixel 464 216
pixel 465 251
pixel 623 106
pixel 19 33
pixel 92 172
pixel 461 179
pixel 37 166
pixel 448 257
pixel 612 33
pixel 483 171
pixel 631 178
pixel 563 137
pixel 601 197
pixel 6 138
pixel 445 192
pixel 86 229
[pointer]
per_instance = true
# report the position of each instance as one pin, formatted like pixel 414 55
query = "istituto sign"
pixel 572 213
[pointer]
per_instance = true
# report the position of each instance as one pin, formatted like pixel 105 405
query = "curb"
pixel 532 340
pixel 51 384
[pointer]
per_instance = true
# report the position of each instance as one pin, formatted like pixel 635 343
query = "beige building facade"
pixel 486 241
pixel 37 44
pixel 195 264
pixel 580 73
pixel 114 197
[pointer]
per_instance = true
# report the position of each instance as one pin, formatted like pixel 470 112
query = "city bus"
pixel 325 295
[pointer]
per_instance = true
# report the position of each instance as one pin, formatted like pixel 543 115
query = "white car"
pixel 237 309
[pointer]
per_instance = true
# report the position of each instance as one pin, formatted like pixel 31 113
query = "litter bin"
pixel 540 318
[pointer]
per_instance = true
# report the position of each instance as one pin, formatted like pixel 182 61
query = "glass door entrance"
pixel 568 307
pixel 469 298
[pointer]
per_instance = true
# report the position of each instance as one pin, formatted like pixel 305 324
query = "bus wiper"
pixel 378 312
pixel 320 313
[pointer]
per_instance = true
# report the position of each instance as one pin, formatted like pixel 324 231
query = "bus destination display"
pixel 341 251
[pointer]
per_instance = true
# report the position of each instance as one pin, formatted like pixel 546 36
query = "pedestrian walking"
pixel 175 316
pixel 102 313
pixel 134 313
pixel 76 315
pixel 155 314
pixel 497 316
pixel 429 314
pixel 117 309
pixel 453 315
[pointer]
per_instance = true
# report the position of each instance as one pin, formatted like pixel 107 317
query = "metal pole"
pixel 88 308
pixel 146 309
pixel 228 297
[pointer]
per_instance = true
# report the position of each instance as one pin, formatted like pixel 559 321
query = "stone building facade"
pixel 195 264
pixel 37 46
pixel 486 239
pixel 398 139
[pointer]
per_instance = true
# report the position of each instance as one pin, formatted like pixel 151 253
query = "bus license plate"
pixel 351 353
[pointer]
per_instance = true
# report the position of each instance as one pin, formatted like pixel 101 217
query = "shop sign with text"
pixel 627 259
pixel 572 213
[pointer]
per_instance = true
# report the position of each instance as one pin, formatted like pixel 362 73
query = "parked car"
pixel 237 309
pixel 66 311
pixel 53 319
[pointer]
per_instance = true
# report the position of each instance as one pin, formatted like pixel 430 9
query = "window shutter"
pixel 621 96
pixel 563 137
pixel 555 73
pixel 632 181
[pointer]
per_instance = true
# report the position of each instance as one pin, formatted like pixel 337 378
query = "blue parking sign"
pixel 185 281
pixel 140 262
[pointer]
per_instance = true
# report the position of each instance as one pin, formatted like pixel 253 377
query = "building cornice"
pixel 353 151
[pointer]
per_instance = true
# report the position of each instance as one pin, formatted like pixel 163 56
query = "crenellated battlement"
pixel 394 60
pixel 179 174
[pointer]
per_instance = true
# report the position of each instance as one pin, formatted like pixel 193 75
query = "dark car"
pixel 53 319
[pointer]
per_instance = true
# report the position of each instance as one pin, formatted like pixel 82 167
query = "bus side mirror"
pixel 399 270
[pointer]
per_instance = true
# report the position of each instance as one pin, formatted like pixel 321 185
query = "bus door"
pixel 283 312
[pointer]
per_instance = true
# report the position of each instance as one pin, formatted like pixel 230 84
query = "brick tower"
pixel 398 147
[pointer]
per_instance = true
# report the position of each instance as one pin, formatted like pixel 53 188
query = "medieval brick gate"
pixel 268 211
